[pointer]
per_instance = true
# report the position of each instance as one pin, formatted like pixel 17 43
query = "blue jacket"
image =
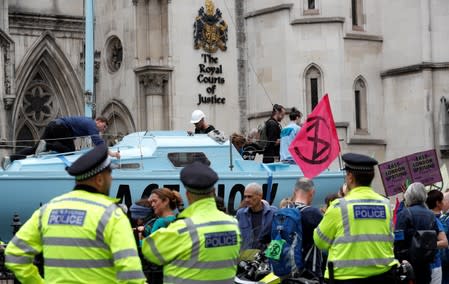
pixel 264 237
pixel 82 126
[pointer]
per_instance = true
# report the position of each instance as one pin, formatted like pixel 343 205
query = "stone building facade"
pixel 383 64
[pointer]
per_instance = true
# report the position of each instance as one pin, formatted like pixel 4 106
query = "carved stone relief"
pixel 114 53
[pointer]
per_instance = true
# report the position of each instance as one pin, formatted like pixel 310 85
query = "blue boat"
pixel 151 160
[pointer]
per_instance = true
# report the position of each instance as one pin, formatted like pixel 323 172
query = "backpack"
pixel 263 138
pixel 423 247
pixel 285 249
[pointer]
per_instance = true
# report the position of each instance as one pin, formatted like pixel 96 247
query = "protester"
pixel 434 202
pixel 238 141
pixel 310 218
pixel 415 216
pixel 84 236
pixel 59 135
pixel 327 201
pixel 164 203
pixel 288 134
pixel 273 134
pixel 356 229
pixel 202 245
pixel 255 219
pixel 199 120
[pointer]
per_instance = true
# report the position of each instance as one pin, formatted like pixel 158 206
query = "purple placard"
pixel 394 175
pixel 424 167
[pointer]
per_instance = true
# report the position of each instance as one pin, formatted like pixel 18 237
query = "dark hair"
pixel 220 204
pixel 433 197
pixel 294 114
pixel 362 178
pixel 329 198
pixel 102 119
pixel 276 108
pixel 175 200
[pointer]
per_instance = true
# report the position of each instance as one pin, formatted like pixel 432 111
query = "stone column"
pixel 153 99
pixel 242 64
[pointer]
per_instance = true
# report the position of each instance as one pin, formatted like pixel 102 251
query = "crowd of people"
pixel 356 237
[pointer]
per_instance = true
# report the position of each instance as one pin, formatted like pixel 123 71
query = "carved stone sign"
pixel 211 74
pixel 210 34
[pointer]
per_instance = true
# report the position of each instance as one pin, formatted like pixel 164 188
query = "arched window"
pixel 361 117
pixel 357 15
pixel 313 84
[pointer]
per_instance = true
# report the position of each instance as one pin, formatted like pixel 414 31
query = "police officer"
pixel 202 245
pixel 356 229
pixel 84 236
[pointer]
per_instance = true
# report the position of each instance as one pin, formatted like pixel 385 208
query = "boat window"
pixel 130 166
pixel 181 159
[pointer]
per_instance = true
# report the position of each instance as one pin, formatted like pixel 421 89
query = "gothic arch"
pixel 46 86
pixel 120 121
pixel 313 85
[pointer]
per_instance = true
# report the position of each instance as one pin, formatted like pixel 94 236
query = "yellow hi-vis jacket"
pixel 85 238
pixel 202 246
pixel 357 231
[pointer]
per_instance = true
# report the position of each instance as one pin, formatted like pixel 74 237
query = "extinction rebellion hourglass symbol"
pixel 321 148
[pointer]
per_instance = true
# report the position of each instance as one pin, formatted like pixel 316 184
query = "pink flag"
pixel 316 146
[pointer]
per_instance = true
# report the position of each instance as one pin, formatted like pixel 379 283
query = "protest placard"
pixel 395 174
pixel 418 167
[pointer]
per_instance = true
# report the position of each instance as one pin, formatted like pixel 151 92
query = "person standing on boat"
pixel 199 120
pixel 273 134
pixel 84 236
pixel 202 245
pixel 255 219
pixel 289 133
pixel 59 135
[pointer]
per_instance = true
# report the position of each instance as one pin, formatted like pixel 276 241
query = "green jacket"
pixel 202 246
pixel 85 238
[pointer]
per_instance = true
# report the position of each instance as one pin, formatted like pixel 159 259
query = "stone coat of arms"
pixel 210 31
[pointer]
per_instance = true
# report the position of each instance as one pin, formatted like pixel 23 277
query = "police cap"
pixel 358 163
pixel 90 164
pixel 198 178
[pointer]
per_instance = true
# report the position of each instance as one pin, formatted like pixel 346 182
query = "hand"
pixel 114 154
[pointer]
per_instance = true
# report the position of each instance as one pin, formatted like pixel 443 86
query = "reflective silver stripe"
pixel 194 261
pixel 213 223
pixel 75 242
pixel 174 279
pixel 219 264
pixel 345 216
pixel 18 259
pixel 195 252
pixel 126 275
pixel 82 200
pixel 157 254
pixel 78 263
pixel 362 262
pixel 367 201
pixel 323 237
pixel 124 254
pixel 21 244
pixel 363 238
pixel 104 221
pixel 41 213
